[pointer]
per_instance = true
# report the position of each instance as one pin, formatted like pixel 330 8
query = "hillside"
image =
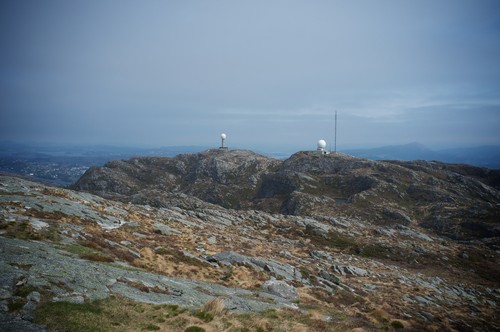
pixel 234 241
pixel 458 201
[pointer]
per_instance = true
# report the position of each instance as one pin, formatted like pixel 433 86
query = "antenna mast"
pixel 335 140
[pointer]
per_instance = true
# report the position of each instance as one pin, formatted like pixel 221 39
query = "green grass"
pixel 374 251
pixel 332 240
pixel 88 253
pixel 179 256
pixel 204 316
pixel 112 314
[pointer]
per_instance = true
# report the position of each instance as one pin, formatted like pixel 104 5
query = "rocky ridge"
pixel 458 201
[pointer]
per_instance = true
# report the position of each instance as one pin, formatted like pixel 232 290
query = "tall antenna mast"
pixel 335 140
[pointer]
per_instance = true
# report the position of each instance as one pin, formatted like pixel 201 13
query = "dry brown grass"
pixel 214 307
pixel 97 257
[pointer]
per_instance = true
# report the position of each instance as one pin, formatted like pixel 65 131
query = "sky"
pixel 270 74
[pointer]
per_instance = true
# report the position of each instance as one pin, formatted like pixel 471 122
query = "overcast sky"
pixel 161 73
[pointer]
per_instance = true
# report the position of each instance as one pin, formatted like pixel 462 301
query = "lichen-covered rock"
pixel 281 289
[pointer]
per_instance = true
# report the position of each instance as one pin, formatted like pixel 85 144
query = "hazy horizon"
pixel 267 73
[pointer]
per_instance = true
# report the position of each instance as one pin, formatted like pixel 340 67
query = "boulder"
pixel 281 289
pixel 330 277
pixel 163 229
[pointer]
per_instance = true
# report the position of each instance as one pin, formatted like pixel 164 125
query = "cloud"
pixel 276 71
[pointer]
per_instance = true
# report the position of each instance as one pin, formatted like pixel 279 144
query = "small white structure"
pixel 321 146
pixel 223 138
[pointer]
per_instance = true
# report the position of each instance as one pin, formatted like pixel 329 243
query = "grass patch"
pixel 204 316
pixel 257 297
pixel 332 240
pixel 374 251
pixel 97 257
pixel 151 327
pixel 144 288
pixel 179 256
pixel 119 314
pixel 23 230
pixel 88 253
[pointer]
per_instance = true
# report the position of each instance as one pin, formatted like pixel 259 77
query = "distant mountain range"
pixel 483 156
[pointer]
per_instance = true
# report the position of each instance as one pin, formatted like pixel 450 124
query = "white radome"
pixel 321 144
pixel 223 136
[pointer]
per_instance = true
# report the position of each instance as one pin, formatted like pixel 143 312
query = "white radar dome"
pixel 223 136
pixel 321 144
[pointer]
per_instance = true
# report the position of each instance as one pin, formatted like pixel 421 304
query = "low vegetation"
pixel 122 314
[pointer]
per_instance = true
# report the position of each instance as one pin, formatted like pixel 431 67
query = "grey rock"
pixel 327 276
pixel 165 229
pixel 5 294
pixel 78 299
pixel 315 227
pixel 350 270
pixel 406 231
pixel 10 323
pixel 319 254
pixel 370 287
pixel 397 215
pixel 34 297
pixel 3 306
pixel 28 311
pixel 275 268
pixel 325 284
pixel 281 289
pixel 423 300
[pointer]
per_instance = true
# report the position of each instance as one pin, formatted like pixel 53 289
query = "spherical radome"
pixel 223 136
pixel 321 143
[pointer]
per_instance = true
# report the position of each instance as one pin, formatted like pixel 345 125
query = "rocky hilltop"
pixel 459 201
pixel 235 241
pixel 226 178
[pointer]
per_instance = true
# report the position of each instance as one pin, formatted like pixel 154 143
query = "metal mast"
pixel 335 140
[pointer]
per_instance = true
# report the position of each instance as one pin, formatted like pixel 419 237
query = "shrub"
pixel 397 324
pixel 16 305
pixel 151 327
pixel 195 329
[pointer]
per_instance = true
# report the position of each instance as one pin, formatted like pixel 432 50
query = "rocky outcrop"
pixel 281 289
pixel 68 278
pixel 458 201
pixel 217 176
pixel 276 269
